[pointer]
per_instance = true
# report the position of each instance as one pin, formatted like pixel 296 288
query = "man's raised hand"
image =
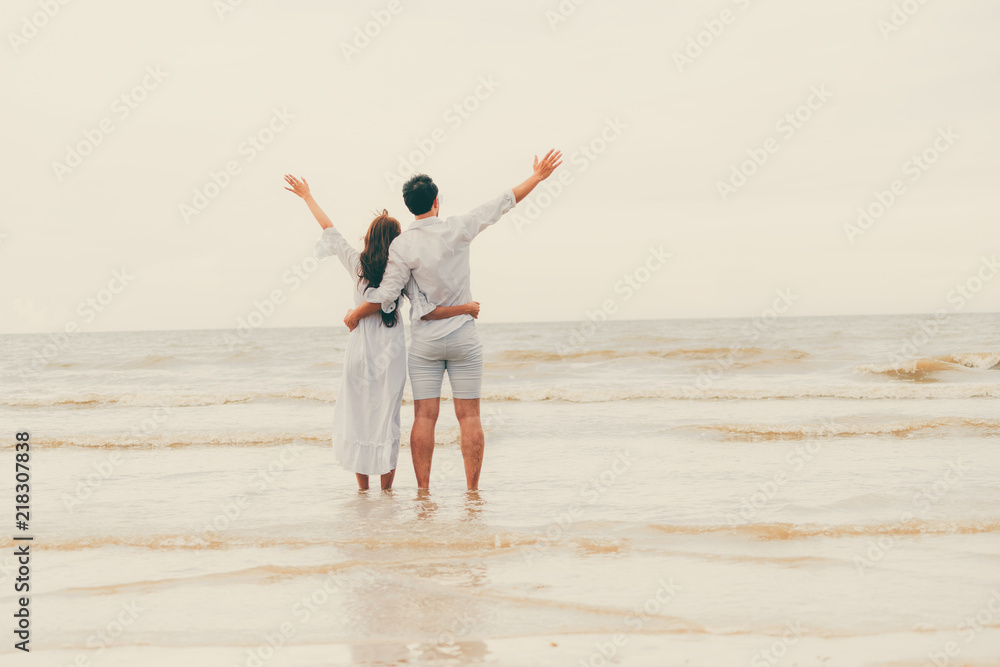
pixel 543 169
pixel 548 164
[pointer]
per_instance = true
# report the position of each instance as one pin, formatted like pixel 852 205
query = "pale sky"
pixel 670 135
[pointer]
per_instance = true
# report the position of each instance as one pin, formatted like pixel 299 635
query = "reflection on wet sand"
pixel 442 653
pixel 474 506
pixel 424 505
pixel 433 603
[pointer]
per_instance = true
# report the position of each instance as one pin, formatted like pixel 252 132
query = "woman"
pixel 366 415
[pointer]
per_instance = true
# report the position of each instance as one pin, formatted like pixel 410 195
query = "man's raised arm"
pixel 482 217
pixel 540 172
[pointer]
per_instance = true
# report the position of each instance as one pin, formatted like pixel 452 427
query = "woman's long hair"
pixel 375 256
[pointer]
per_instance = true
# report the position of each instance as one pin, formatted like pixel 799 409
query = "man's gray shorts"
pixel 460 353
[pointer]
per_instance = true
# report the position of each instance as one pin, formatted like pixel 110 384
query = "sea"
pixel 794 491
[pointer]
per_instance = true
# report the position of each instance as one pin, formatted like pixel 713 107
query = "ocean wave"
pixel 163 399
pixel 149 361
pixel 443 437
pixel 712 353
pixel 181 440
pixel 457 542
pixel 778 392
pixel 447 541
pixel 153 361
pixel 792 531
pixel 693 354
pixel 207 540
pixel 919 368
pixel 854 428
pixel 567 394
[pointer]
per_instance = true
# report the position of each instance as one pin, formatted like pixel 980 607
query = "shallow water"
pixel 650 496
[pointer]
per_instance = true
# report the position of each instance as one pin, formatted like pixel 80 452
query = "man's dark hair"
pixel 419 194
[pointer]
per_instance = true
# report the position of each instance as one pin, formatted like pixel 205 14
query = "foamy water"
pixel 673 492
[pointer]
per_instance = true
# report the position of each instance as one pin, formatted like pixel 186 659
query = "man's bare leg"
pixel 425 415
pixel 387 479
pixel 473 439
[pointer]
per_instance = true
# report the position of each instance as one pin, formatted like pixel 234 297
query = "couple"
pixel 429 264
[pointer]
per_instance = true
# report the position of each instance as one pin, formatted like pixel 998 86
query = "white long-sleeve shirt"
pixel 436 253
pixel 332 242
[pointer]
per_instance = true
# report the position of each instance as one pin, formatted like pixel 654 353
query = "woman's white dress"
pixel 366 415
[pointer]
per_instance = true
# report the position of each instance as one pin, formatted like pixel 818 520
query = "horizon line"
pixel 577 321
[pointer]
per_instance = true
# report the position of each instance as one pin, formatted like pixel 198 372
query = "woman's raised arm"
pixel 301 188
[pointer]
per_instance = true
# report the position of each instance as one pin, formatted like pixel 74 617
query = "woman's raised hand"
pixel 301 188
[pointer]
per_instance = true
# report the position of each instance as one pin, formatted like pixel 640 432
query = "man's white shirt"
pixel 436 253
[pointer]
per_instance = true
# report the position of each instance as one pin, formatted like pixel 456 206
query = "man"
pixel 435 252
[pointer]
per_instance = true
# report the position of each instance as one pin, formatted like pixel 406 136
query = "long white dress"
pixel 366 415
